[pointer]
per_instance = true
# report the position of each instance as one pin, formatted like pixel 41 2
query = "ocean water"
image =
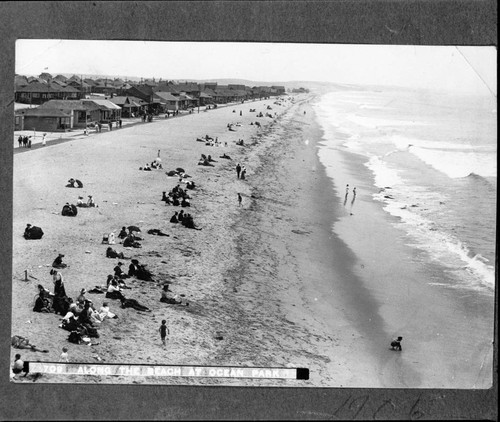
pixel 433 161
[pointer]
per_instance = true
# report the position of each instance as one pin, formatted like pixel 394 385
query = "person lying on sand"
pixel 171 301
pixel 132 303
pixel 205 163
pixel 105 312
pixel 157 232
pixel 111 253
pixel 130 242
pixel 225 156
pixel 19 342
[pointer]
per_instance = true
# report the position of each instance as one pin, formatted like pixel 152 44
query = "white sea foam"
pixel 430 218
pixel 442 247
pixel 456 163
pixel 374 122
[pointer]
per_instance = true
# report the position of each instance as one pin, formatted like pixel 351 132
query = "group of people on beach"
pixel 80 316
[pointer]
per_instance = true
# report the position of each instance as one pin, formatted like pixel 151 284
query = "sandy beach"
pixel 268 276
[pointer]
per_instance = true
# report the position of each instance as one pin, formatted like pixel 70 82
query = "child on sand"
pixel 64 355
pixel 163 331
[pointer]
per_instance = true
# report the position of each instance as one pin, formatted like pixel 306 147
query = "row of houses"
pixel 62 115
pixel 159 95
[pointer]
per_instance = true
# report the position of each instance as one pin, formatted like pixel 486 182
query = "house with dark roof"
pixel 81 85
pixel 45 76
pixel 129 105
pixel 144 92
pixel 108 111
pixel 39 93
pixel 60 78
pixel 47 120
pixel 82 113
pixel 104 87
pixel 20 80
pixel 171 102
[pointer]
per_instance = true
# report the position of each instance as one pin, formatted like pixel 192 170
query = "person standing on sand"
pixel 64 355
pixel 44 141
pixel 239 200
pixel 238 169
pixel 163 331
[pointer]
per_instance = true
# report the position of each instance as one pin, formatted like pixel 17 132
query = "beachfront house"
pixel 45 120
pixel 82 113
pixel 205 98
pixel 171 102
pixel 144 92
pixel 108 111
pixel 130 105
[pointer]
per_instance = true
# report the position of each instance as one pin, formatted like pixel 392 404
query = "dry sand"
pixel 247 274
pixel 269 276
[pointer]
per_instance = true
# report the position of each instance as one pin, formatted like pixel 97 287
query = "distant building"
pixel 39 93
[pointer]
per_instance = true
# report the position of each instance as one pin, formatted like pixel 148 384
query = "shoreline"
pixel 442 328
pixel 270 277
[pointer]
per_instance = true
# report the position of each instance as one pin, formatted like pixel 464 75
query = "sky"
pixel 447 68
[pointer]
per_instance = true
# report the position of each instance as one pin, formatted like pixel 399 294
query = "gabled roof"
pixel 68 88
pixel 67 105
pixel 45 76
pixel 21 80
pixel 48 112
pixel 58 82
pixel 167 96
pixel 120 100
pixel 104 104
pixel 38 87
pixel 61 78
pixel 35 79
pixel 167 87
pixel 208 91
pixel 187 87
pixel 78 84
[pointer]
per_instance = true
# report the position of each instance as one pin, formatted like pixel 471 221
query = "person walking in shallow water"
pixel 346 193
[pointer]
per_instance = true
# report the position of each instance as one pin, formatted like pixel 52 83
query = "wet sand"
pixel 269 276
